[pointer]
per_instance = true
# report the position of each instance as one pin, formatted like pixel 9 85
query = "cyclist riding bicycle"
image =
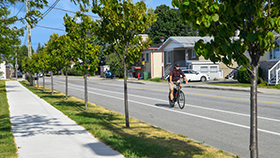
pixel 175 77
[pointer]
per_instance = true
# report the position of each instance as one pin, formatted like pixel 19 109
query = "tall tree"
pixel 22 52
pixel 168 24
pixel 121 22
pixel 256 20
pixel 38 48
pixel 87 54
pixel 9 35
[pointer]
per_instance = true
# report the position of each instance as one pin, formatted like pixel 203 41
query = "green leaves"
pixel 215 17
pixel 121 23
pixel 252 37
pixel 254 21
pixel 85 54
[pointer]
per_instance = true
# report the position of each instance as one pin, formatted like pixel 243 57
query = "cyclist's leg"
pixel 171 87
pixel 171 94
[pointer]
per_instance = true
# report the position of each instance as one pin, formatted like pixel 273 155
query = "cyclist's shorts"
pixel 172 86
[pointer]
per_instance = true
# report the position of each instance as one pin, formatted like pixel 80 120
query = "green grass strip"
pixel 141 140
pixel 261 85
pixel 7 145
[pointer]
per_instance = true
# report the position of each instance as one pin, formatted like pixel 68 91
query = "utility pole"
pixel 28 31
pixel 29 40
pixel 16 66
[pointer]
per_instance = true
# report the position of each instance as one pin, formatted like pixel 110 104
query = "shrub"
pixel 244 77
pixel 75 72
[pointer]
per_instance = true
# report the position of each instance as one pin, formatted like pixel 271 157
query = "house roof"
pixel 185 41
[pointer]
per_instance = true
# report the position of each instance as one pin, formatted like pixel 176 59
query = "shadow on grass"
pixel 140 144
pixel 76 105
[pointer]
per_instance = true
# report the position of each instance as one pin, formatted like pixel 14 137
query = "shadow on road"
pixel 163 105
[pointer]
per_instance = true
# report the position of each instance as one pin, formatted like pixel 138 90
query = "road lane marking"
pixel 206 95
pixel 184 113
pixel 189 105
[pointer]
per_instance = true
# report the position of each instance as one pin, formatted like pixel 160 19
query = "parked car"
pixel 40 75
pixel 19 74
pixel 193 75
pixel 48 74
pixel 35 76
pixel 109 74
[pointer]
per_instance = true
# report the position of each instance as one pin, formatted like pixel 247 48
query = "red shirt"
pixel 176 74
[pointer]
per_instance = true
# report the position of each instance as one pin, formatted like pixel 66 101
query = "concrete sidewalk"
pixel 42 131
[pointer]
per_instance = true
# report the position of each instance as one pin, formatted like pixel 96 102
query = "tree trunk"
pixel 66 86
pixel 254 119
pixel 86 93
pixel 52 81
pixel 43 81
pixel 31 79
pixel 38 80
pixel 125 97
pixel 34 83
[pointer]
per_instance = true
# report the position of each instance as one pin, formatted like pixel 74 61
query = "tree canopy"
pixel 256 20
pixel 120 25
pixel 168 24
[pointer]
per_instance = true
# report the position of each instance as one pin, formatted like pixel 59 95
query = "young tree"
pixel 43 63
pixel 87 54
pixel 256 20
pixel 120 24
pixel 36 60
pixel 54 57
pixel 29 66
pixel 67 53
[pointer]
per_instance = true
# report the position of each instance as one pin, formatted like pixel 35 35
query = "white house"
pixel 3 70
pixel 180 49
pixel 270 63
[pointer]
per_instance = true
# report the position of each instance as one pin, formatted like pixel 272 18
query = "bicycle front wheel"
pixel 181 100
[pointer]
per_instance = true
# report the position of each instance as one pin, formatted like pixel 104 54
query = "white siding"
pixel 3 69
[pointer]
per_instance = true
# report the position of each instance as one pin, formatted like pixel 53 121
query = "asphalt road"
pixel 217 118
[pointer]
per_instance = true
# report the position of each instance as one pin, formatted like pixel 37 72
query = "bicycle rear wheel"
pixel 181 100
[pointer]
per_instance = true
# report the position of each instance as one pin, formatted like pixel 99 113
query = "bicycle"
pixel 178 96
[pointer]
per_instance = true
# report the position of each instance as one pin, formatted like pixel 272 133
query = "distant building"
pixel 3 70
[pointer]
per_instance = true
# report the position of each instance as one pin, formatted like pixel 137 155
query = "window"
pixel 213 69
pixel 193 54
pixel 204 69
pixel 275 53
pixel 147 57
pixel 168 57
pixel 220 73
pixel 192 72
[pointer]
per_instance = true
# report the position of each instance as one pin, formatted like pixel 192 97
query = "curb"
pixel 135 82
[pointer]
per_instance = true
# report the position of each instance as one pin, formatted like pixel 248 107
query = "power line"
pixel 51 28
pixel 49 10
pixel 70 11
pixel 20 9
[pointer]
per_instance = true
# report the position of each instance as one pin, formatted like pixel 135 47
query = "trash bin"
pixel 146 75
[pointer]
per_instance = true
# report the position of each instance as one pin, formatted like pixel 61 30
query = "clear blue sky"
pixel 54 19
